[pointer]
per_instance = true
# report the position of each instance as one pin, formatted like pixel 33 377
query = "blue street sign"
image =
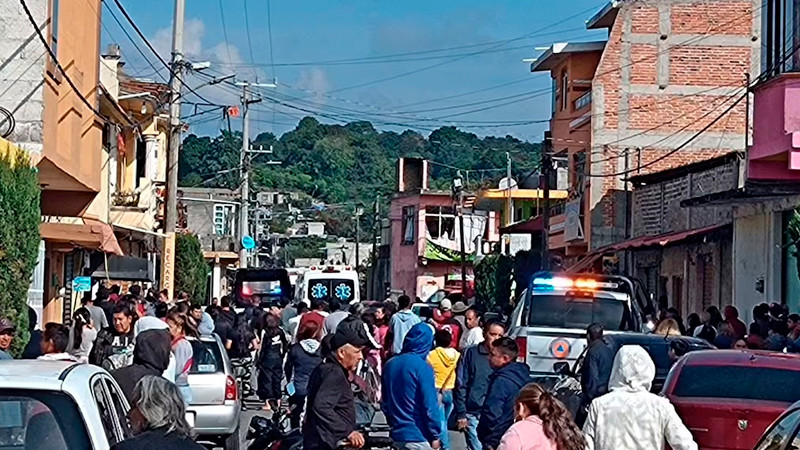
pixel 248 243
pixel 82 284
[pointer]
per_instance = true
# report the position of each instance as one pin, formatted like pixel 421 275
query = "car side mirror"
pixel 561 368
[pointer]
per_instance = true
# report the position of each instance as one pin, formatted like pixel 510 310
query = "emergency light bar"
pixel 568 283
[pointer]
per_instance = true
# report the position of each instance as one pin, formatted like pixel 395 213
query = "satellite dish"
pixel 507 183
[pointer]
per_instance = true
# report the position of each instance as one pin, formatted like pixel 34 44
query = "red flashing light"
pixel 247 291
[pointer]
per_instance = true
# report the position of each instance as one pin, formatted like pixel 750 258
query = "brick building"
pixel 657 97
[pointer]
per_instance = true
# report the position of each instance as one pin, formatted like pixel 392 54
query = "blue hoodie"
pixel 410 401
pixel 497 415
pixel 400 324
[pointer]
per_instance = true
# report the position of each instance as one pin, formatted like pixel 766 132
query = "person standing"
pixel 184 354
pixel 331 415
pixel 82 335
pixel 542 423
pixel 98 316
pixel 444 360
pixel 338 313
pixel 630 416
pixel 270 361
pixel 151 356
pixel 316 314
pixel 732 317
pixel 158 418
pixel 294 322
pixel 409 397
pixel 472 380
pixel 34 347
pixel 55 339
pixel 400 323
pixel 112 347
pixel 474 334
pixel 596 367
pixel 302 359
pixel 505 382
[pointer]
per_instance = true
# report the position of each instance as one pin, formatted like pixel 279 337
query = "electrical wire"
pixel 225 32
pixel 247 28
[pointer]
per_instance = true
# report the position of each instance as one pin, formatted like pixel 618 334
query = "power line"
pixel 271 56
pixel 247 28
pixel 138 49
pixel 225 32
pixel 57 63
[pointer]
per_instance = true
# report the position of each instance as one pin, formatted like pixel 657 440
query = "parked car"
pixel 216 405
pixel 59 405
pixel 727 398
pixel 783 434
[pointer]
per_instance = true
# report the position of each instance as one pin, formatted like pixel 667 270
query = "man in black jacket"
pixel 112 347
pixel 331 416
pixel 505 382
pixel 596 369
pixel 472 380
pixel 150 357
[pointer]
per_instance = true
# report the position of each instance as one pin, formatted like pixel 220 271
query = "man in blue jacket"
pixel 410 401
pixel 505 382
pixel 472 380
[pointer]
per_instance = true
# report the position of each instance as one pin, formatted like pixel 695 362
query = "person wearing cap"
pixel 7 330
pixel 331 416
pixel 409 396
pixel 444 320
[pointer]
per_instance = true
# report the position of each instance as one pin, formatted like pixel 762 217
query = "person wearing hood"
pixel 409 397
pixel 444 360
pixel 401 323
pixel 303 358
pixel 630 416
pixel 505 382
pixel 732 317
pixel 151 356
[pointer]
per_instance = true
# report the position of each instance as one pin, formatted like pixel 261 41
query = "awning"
pixel 664 239
pixel 91 234
pixel 125 268
pixel 529 226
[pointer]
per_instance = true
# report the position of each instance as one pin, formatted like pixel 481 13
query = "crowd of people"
pixel 773 327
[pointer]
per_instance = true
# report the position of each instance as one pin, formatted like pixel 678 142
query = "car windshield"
pixel 207 357
pixel 327 288
pixel 40 420
pixel 732 382
pixel 572 311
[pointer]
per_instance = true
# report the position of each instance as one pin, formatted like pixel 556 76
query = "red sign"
pixel 233 111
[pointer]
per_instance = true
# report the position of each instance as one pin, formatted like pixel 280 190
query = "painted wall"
pixel 775 153
pixel 756 256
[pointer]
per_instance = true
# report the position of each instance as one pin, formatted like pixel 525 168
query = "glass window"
pixel 578 311
pixel 120 407
pixel 106 411
pixel 564 91
pixel 41 420
pixel 780 44
pixel 207 357
pixel 738 383
pixel 54 8
pixel 440 222
pixel 781 433
pixel 222 220
pixel 409 225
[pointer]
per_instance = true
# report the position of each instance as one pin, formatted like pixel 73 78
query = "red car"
pixel 728 398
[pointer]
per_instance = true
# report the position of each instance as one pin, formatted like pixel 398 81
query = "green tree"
pixel 191 269
pixel 20 214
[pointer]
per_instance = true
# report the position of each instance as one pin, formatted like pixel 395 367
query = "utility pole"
pixel 375 235
pixel 547 167
pixel 359 213
pixel 458 200
pixel 244 211
pixel 509 202
pixel 171 206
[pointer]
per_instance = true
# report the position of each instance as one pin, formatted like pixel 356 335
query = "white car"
pixel 60 405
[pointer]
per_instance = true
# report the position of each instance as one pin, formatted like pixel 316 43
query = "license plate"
pixel 190 419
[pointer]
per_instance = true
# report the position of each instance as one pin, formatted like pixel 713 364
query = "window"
pixel 120 405
pixel 54 9
pixel 734 382
pixel 106 411
pixel 440 222
pixel 207 357
pixel 564 91
pixel 573 311
pixel 41 419
pixel 780 45
pixel 409 225
pixel 779 436
pixel 327 288
pixel 555 95
pixel 141 160
pixel 222 219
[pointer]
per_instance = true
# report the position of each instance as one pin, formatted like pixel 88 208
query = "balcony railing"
pixel 583 101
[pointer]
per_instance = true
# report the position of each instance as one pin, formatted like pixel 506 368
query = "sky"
pixel 416 64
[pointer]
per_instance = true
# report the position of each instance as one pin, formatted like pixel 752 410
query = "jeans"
pixel 471 433
pixel 445 408
pixel 296 406
pixel 413 445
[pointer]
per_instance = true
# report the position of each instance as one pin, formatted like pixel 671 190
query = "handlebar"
pixel 370 442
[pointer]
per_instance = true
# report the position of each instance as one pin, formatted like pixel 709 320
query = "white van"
pixel 328 282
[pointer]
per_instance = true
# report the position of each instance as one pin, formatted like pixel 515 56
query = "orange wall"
pixel 71 155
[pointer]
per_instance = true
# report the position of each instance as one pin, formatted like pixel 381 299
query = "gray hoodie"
pixel 400 324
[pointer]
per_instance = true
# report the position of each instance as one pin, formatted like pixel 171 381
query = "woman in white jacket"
pixel 630 417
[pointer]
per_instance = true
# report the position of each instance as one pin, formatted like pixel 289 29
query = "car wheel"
pixel 233 441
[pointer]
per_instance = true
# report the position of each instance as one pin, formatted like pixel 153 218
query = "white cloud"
pixel 315 81
pixel 193 32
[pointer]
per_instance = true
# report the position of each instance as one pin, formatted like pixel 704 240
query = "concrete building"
pixel 633 105
pixel 765 204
